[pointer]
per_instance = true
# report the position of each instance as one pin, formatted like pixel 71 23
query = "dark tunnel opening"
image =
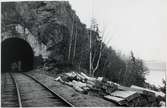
pixel 16 52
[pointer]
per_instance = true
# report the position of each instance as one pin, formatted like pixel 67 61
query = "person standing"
pixel 19 65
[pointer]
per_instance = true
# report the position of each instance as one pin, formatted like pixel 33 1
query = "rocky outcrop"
pixel 46 26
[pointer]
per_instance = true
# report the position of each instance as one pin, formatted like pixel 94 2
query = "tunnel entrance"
pixel 16 54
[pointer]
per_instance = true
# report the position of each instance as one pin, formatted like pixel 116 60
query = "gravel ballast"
pixel 68 93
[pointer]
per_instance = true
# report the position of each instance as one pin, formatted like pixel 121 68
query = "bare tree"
pixel 75 44
pixel 71 37
pixel 98 61
pixel 90 53
pixel 98 50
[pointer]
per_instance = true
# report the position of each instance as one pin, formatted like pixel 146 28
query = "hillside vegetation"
pixel 69 42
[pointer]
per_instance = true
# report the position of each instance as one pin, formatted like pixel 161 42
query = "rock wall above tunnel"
pixel 46 26
pixel 23 33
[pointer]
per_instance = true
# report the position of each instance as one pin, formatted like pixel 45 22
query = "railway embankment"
pixel 70 94
pixel 82 90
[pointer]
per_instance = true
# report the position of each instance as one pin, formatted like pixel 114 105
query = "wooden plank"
pixel 128 95
pixel 137 89
pixel 118 100
pixel 129 89
pixel 148 90
pixel 144 90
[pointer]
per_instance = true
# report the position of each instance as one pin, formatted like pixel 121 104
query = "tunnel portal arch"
pixel 14 50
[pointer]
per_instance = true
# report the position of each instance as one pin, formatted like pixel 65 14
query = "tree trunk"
pixel 75 43
pixel 98 61
pixel 90 54
pixel 71 36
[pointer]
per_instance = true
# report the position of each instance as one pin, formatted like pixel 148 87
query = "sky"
pixel 137 25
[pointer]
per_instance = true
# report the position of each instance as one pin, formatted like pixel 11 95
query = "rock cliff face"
pixel 46 26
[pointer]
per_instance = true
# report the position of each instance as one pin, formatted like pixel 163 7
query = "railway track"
pixel 32 93
pixel 9 92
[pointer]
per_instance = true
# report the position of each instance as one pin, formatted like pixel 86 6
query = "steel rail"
pixel 4 84
pixel 68 103
pixel 17 89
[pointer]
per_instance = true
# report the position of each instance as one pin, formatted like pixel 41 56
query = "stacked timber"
pixel 148 91
pixel 117 100
pixel 128 95
pixel 85 84
pixel 123 98
pixel 154 98
pixel 102 87
pixel 133 96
